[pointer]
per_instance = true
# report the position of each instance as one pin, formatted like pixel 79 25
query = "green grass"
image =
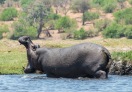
pixel 12 62
pixel 122 56
pixel 13 55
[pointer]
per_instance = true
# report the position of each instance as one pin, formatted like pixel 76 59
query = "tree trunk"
pixel 83 19
pixel 40 28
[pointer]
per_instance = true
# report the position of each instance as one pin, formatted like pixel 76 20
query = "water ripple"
pixel 40 83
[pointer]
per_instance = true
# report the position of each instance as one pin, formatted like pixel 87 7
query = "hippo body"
pixel 82 60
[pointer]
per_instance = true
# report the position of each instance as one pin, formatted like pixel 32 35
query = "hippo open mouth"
pixel 31 55
pixel 26 41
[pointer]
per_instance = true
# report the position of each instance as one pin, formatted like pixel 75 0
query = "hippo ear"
pixel 27 39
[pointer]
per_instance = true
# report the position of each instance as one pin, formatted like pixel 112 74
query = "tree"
pixel 80 6
pixel 2 1
pixel 61 5
pixel 88 16
pixel 65 24
pixel 37 12
pixel 121 3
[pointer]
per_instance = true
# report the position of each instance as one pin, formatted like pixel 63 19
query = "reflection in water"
pixel 40 83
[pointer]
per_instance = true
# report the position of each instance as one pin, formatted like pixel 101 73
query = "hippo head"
pixel 26 41
pixel 31 55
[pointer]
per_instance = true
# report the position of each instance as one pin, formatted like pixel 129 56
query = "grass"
pixel 12 62
pixel 13 56
pixel 123 56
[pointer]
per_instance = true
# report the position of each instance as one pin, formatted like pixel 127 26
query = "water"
pixel 40 83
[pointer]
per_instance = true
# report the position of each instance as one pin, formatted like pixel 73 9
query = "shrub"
pixel 107 5
pixel 21 30
pixel 128 32
pixel 92 33
pixel 65 23
pixel 125 56
pixel 8 14
pixel 101 24
pixel 130 1
pixel 88 16
pixel 124 16
pixel 109 8
pixel 114 30
pixel 25 3
pixel 3 29
pixel 80 34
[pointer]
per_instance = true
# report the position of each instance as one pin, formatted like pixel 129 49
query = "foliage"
pixel 22 28
pixel 12 63
pixel 80 34
pixel 101 24
pixel 80 5
pixel 130 1
pixel 92 33
pixel 124 16
pixel 128 32
pixel 88 16
pixel 2 1
pixel 25 3
pixel 8 14
pixel 107 5
pixel 109 8
pixel 124 56
pixel 114 30
pixel 65 23
pixel 3 29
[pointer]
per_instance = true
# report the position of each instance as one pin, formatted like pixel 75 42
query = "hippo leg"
pixel 101 74
pixel 29 69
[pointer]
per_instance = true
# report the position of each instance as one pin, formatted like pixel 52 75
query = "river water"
pixel 40 83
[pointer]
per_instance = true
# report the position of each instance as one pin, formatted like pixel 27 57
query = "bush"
pixel 21 30
pixel 128 32
pixel 3 29
pixel 65 23
pixel 109 8
pixel 92 33
pixel 88 16
pixel 107 5
pixel 124 16
pixel 124 56
pixel 114 30
pixel 130 1
pixel 80 34
pixel 8 14
pixel 101 24
pixel 25 3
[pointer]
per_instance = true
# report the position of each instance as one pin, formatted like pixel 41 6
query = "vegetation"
pixel 123 56
pixel 3 29
pixel 65 24
pixel 8 14
pixel 90 16
pixel 130 1
pixel 80 34
pixel 80 6
pixel 101 24
pixel 114 30
pixel 124 16
pixel 107 5
pixel 12 62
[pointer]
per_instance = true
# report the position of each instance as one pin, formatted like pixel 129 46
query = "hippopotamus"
pixel 81 60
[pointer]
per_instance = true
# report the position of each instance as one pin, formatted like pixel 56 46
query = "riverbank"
pixel 122 63
pixel 13 55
